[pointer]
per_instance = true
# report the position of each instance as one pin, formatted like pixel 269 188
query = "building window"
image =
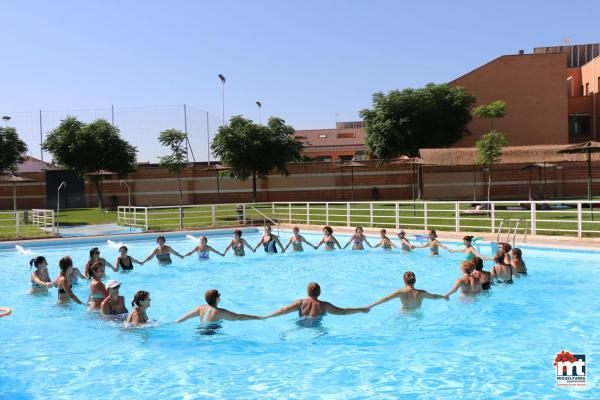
pixel 360 156
pixel 570 86
pixel 346 135
pixel 346 158
pixel 579 124
pixel 587 89
pixel 323 158
pixel 323 136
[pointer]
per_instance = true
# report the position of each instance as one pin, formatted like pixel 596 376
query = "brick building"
pixel 344 143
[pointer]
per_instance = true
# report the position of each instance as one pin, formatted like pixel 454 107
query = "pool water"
pixel 497 346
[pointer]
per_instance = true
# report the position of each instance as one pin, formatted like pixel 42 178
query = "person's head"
pixel 141 299
pixel 499 257
pixel 113 287
pixel 97 270
pixel 328 231
pixel 313 290
pixel 409 278
pixel 401 234
pixel 212 297
pixel 517 253
pixel 161 240
pixel 467 267
pixel 66 266
pixel 94 253
pixel 478 263
pixel 383 232
pixel 296 230
pixel 39 263
pixel 432 234
pixel 203 240
pixel 267 229
pixel 123 250
pixel 467 240
pixel 359 230
pixel 506 247
pixel 237 234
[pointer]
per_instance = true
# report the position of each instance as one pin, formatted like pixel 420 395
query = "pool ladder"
pixel 265 218
pixel 511 231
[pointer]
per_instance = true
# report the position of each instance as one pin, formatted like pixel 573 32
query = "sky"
pixel 309 62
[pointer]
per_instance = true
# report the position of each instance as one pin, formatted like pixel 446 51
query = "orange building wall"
pixel 534 88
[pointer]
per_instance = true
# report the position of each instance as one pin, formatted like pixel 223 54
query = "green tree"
pixel 404 121
pixel 252 150
pixel 12 150
pixel 86 148
pixel 489 151
pixel 492 111
pixel 175 162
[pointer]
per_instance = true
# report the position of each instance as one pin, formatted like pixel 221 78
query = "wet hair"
pixel 296 229
pixel 384 231
pixel 211 297
pixel 93 251
pixel 267 227
pixel 517 253
pixel 313 289
pixel 468 238
pixel 123 247
pixel 160 237
pixel 34 262
pixel 402 233
pixel 478 263
pixel 409 277
pixel 433 232
pixel 467 266
pixel 139 296
pixel 238 232
pixel 328 229
pixel 357 228
pixel 506 247
pixel 94 269
pixel 64 264
pixel 499 257
pixel 203 237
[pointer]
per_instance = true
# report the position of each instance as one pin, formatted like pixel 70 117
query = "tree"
pixel 489 151
pixel 175 163
pixel 254 150
pixel 492 111
pixel 86 148
pixel 12 150
pixel 404 121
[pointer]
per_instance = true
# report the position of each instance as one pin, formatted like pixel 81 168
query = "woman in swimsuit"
pixel 238 244
pixel 162 252
pixel 312 307
pixel 469 250
pixel 124 261
pixel 517 261
pixel 40 280
pixel 357 239
pixel 113 304
pixel 212 313
pixel 385 242
pixel 94 257
pixel 296 241
pixel 269 242
pixel 140 303
pixel 502 272
pixel 468 283
pixel 406 245
pixel 484 277
pixel 203 249
pixel 329 240
pixel 506 248
pixel 63 282
pixel 98 291
pixel 433 244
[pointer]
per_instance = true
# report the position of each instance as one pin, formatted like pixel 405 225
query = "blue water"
pixel 497 346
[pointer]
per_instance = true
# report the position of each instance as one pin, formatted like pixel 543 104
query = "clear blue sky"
pixel 304 60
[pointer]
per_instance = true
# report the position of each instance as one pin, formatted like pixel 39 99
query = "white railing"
pixel 44 219
pixel 10 223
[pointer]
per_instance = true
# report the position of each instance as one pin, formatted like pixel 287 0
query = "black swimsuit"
pixel 126 267
pixel 486 285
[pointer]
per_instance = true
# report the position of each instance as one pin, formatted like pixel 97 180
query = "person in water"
pixel 162 252
pixel 202 249
pixel 113 304
pixel 433 243
pixel 98 291
pixel 406 245
pixel 385 242
pixel 212 313
pixel 40 279
pixel 484 277
pixel 358 239
pixel 468 283
pixel 328 240
pixel 296 241
pixel 469 251
pixel 269 241
pixel 95 257
pixel 312 307
pixel 124 261
pixel 63 282
pixel 140 303
pixel 502 272
pixel 410 298
pixel 517 261
pixel 238 244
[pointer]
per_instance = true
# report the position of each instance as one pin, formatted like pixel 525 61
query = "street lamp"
pixel 222 78
pixel 62 184
pixel 259 104
pixel 6 118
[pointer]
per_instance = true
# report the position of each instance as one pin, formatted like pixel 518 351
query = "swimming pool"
pixel 498 346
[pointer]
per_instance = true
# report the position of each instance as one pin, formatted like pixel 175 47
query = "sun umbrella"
pixel 419 162
pixel 101 173
pixel 14 180
pixel 531 167
pixel 352 164
pixel 588 148
pixel 218 168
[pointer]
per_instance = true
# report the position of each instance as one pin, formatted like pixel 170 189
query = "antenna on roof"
pixel 567 41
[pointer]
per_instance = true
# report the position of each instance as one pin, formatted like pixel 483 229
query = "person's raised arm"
pixel 385 299
pixel 117 263
pixel 367 242
pixel 195 249
pixel 331 309
pixel 443 246
pixel 378 244
pixel 349 241
pixel 320 243
pixel 336 242
pixel 248 246
pixel 133 260
pixel 288 244
pixel 151 256
pixel 392 244
pixel 422 246
pixel 194 313
pixel 228 247
pixel 286 310
pixel 231 316
pixel 409 244
pixel 257 245
pixel 41 282
pixel 173 251
pixel 307 242
pixel 209 248
pixel 456 286
pixel 69 291
pixel 432 296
